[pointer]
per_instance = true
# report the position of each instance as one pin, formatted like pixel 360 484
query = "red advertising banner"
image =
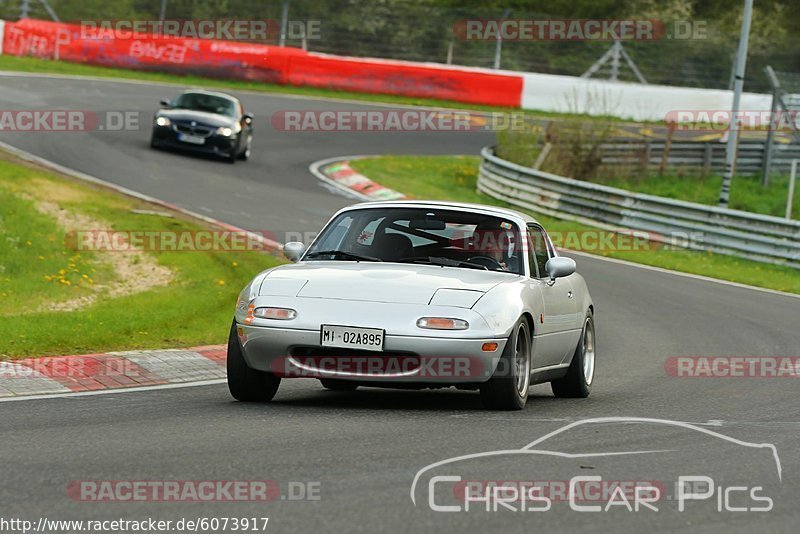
pixel 261 63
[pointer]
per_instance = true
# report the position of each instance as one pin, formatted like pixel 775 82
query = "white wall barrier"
pixel 571 94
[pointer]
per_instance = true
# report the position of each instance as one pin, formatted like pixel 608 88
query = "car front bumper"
pixel 165 136
pixel 294 353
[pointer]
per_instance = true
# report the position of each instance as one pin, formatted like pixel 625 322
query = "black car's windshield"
pixel 205 102
pixel 426 236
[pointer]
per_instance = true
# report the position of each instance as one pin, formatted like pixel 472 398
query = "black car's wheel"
pixel 245 155
pixel 577 383
pixel 337 385
pixel 508 387
pixel 153 143
pixel 247 384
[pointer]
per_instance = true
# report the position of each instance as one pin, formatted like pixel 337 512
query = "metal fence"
pixel 686 224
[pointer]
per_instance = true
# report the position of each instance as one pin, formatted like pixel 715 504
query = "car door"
pixel 555 325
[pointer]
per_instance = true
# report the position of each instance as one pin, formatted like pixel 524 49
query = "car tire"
pixel 577 383
pixel 153 143
pixel 245 383
pixel 337 385
pixel 244 156
pixel 508 387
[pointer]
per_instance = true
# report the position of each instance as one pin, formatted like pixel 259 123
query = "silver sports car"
pixel 418 294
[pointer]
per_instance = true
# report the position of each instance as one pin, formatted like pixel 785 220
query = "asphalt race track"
pixel 365 448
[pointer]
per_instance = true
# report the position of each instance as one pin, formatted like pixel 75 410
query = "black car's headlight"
pixel 224 131
pixel 163 121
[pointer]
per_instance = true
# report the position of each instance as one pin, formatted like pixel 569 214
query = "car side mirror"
pixel 248 118
pixel 559 267
pixel 293 250
pixel 165 103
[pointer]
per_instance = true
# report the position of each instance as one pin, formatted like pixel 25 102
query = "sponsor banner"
pixel 262 63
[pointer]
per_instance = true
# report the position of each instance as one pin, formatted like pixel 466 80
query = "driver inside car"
pixel 494 246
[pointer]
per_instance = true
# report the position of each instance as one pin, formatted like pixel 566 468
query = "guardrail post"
pixel 790 199
pixel 667 146
pixel 707 149
pixel 773 123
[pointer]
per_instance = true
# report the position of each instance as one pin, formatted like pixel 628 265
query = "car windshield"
pixel 434 236
pixel 205 102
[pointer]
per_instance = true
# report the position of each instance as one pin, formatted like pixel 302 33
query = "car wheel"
pixel 153 143
pixel 577 383
pixel 248 149
pixel 508 387
pixel 247 384
pixel 337 385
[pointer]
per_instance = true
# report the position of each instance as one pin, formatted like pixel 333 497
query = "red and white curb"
pixel 110 370
pixel 338 173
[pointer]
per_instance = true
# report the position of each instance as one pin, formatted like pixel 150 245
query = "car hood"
pixel 381 282
pixel 201 117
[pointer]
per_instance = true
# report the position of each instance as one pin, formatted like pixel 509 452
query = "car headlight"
pixel 282 314
pixel 224 131
pixel 162 121
pixel 442 323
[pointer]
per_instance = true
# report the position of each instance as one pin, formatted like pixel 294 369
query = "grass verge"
pixel 747 193
pixel 454 178
pixel 58 299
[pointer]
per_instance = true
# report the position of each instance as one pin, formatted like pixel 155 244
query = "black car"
pixel 206 122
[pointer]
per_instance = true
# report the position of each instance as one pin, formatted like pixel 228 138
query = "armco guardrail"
pixel 700 158
pixel 686 224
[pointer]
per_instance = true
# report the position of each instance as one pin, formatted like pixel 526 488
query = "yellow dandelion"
pixel 221 282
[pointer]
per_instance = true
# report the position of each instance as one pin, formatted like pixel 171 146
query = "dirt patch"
pixel 135 271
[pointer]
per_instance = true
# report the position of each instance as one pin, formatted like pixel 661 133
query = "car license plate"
pixel 193 139
pixel 351 337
